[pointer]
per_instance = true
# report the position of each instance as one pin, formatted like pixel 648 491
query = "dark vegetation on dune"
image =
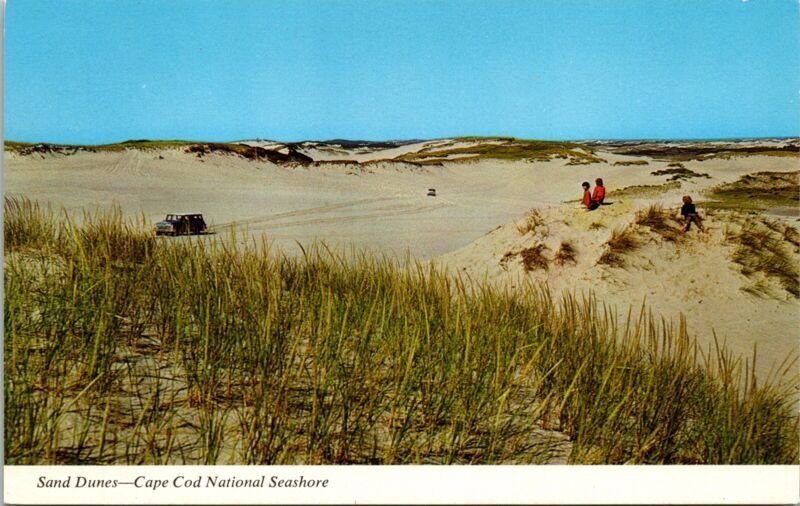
pixel 678 172
pixel 121 347
pixel 566 254
pixel 356 144
pixel 251 153
pixel 699 150
pixel 631 163
pixel 647 190
pixel 495 148
pixel 503 148
pixel 200 149
pixel 26 148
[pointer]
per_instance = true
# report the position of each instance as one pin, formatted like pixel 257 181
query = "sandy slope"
pixel 694 277
pixel 383 205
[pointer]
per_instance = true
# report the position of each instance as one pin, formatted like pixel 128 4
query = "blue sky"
pixel 94 71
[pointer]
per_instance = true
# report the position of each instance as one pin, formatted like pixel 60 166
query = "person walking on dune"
pixel 599 193
pixel 587 201
pixel 689 213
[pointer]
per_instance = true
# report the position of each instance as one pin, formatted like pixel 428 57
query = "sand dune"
pixel 693 277
pixel 470 226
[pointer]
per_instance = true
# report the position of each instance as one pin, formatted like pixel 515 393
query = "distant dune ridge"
pixel 506 212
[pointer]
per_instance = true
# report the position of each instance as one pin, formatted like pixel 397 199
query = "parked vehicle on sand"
pixel 181 224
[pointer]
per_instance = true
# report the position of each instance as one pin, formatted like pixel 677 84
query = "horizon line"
pixel 411 140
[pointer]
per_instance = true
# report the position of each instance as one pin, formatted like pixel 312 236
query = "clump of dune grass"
pixel 629 163
pixel 679 173
pixel 639 191
pixel 200 352
pixel 533 258
pixel 532 220
pixel 759 249
pixel 622 242
pixel 27 225
pixel 785 231
pixel 790 235
pixel 759 288
pixel 596 225
pixel 565 254
pixel 660 221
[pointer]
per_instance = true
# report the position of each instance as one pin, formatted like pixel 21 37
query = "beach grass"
pixel 622 241
pixel 630 163
pixel 566 254
pixel 123 348
pixel 531 222
pixel 760 249
pixel 759 191
pixel 534 258
pixel 660 221
pixel 642 191
pixel 679 173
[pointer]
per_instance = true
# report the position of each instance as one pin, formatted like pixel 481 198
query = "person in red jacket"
pixel 587 201
pixel 599 193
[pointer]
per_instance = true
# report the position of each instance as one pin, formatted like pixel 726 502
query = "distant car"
pixel 431 192
pixel 181 224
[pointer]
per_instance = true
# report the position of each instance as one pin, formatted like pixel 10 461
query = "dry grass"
pixel 679 173
pixel 196 352
pixel 533 258
pixel 761 250
pixel 639 191
pixel 787 232
pixel 660 221
pixel 622 241
pixel 760 287
pixel 629 163
pixel 532 220
pixel 565 254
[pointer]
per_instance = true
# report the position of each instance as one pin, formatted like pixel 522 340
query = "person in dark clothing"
pixel 690 215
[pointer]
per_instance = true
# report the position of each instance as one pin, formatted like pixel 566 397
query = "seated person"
pixel 587 200
pixel 689 214
pixel 599 193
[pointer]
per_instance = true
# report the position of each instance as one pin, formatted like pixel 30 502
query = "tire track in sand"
pixel 376 214
pixel 293 214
